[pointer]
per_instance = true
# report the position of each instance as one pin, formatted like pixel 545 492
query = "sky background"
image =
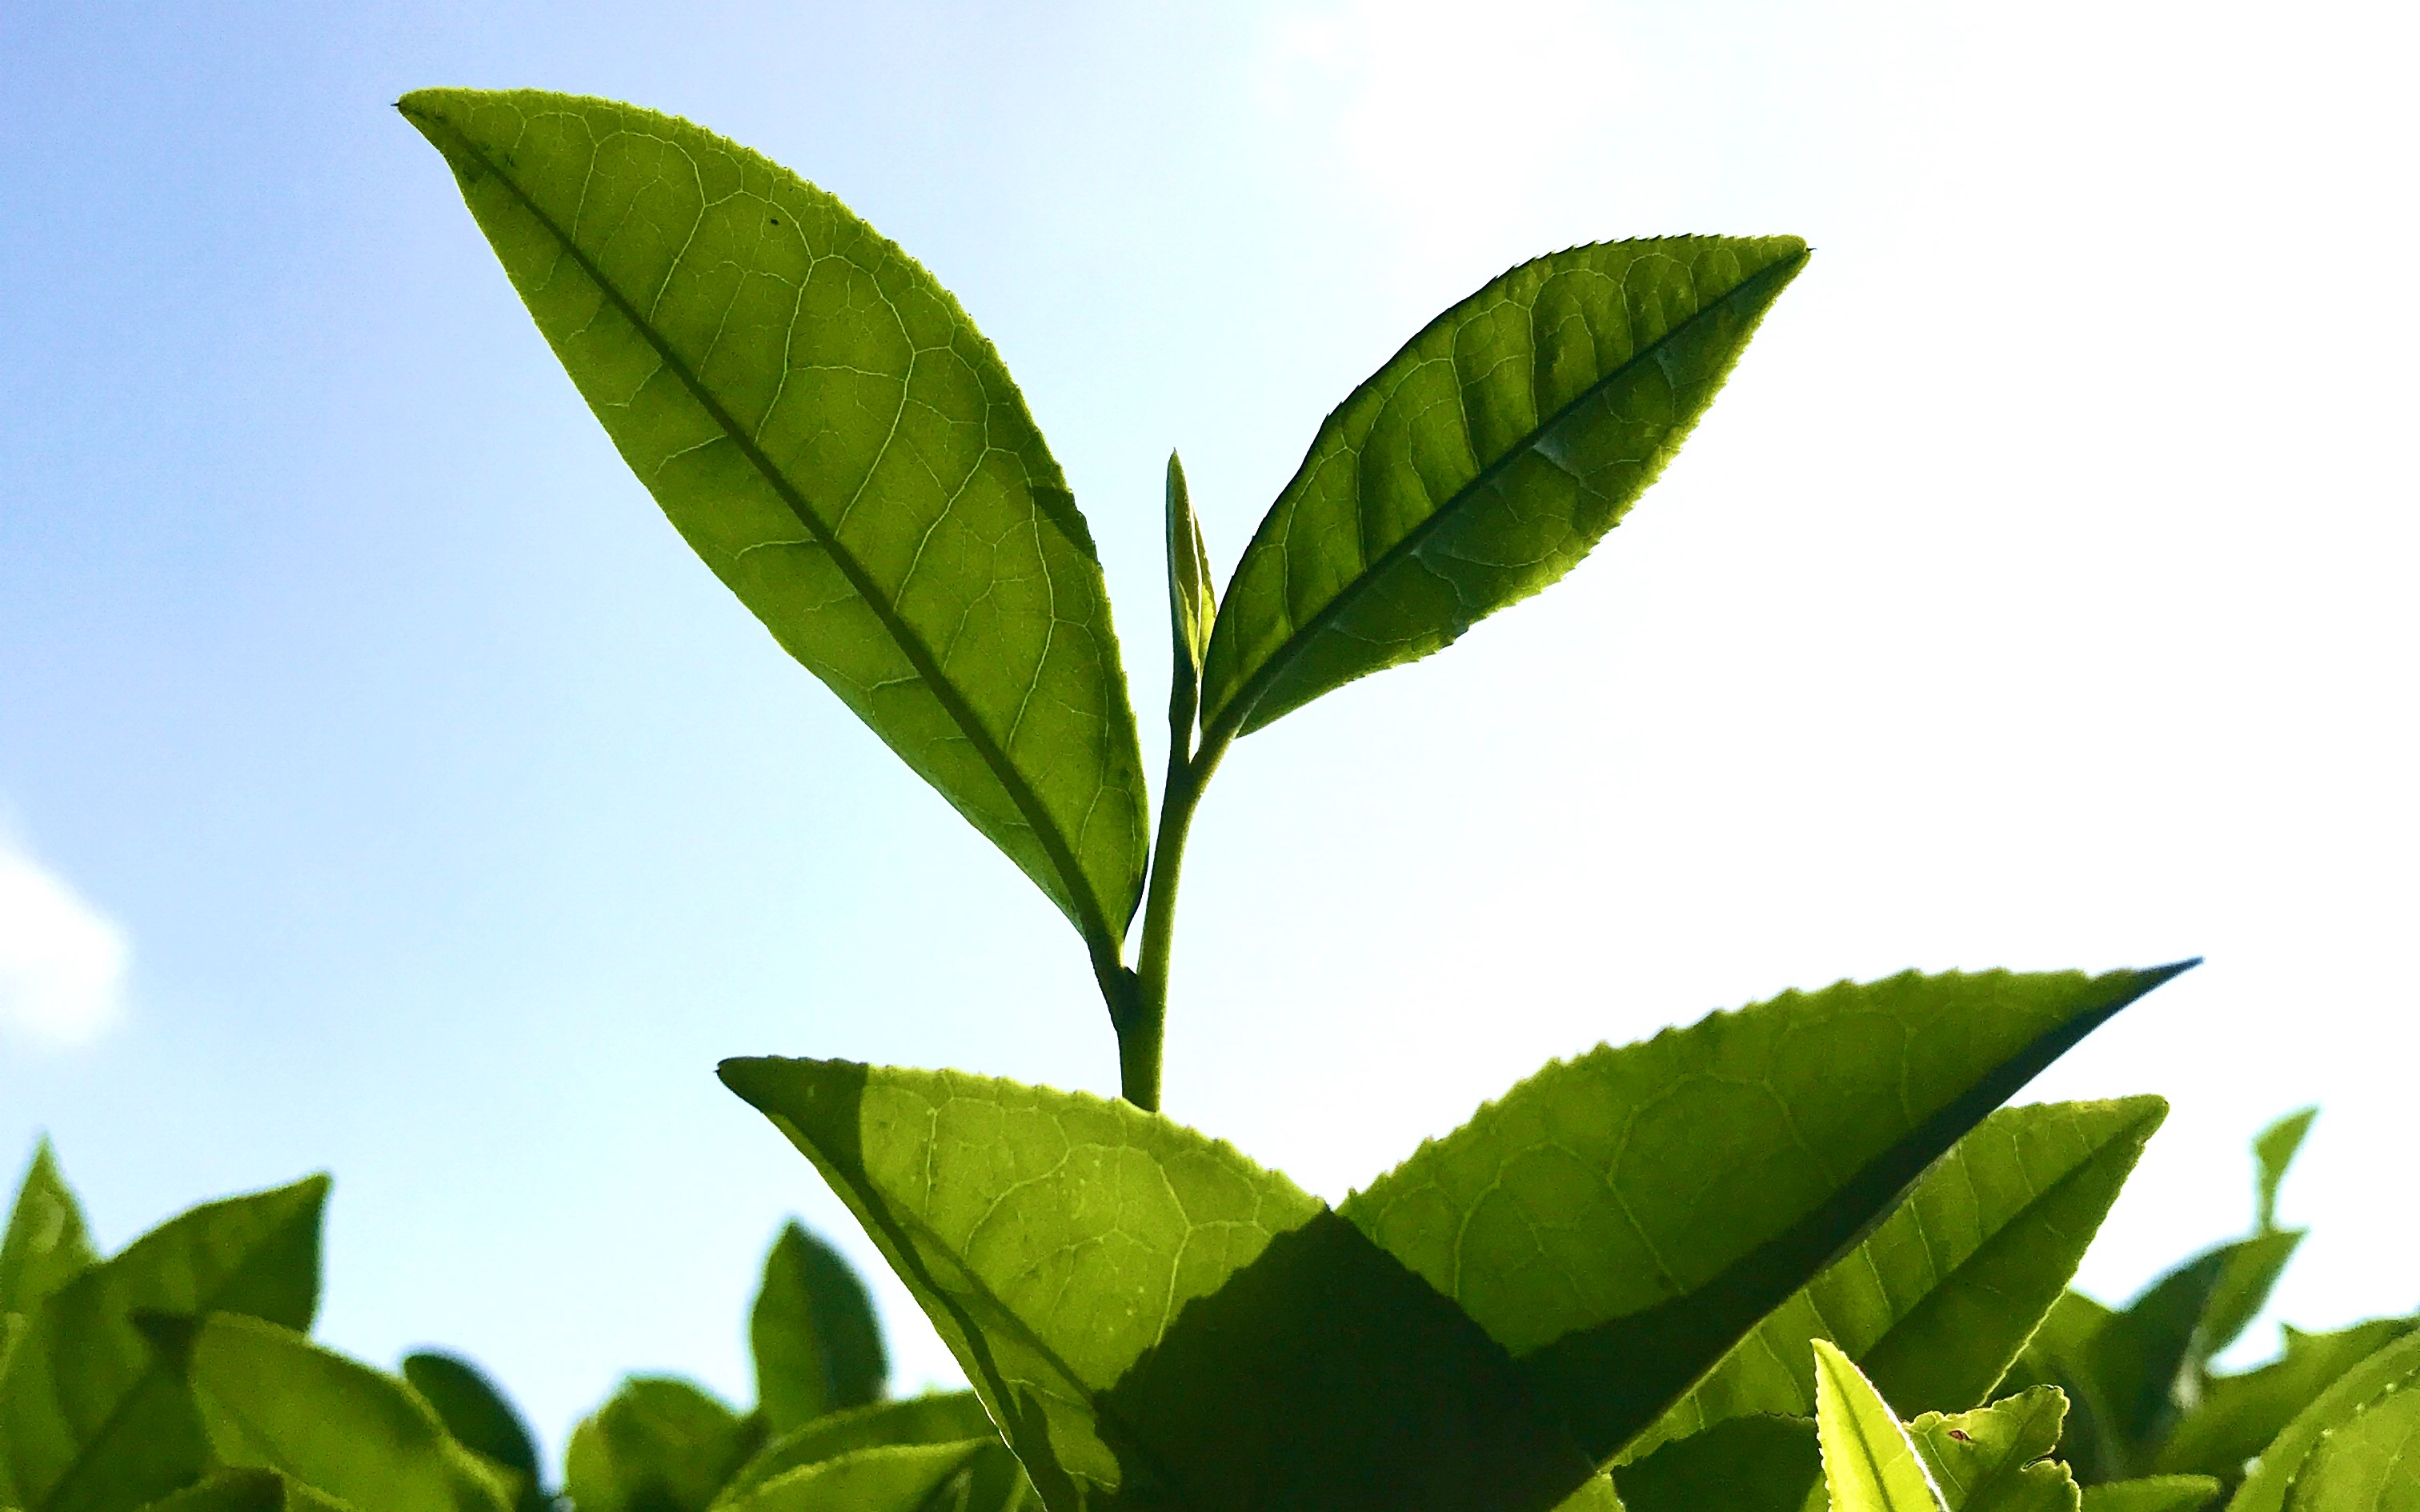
pixel 384 788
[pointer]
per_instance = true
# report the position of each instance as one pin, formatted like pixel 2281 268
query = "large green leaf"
pixel 2353 1449
pixel 1995 1458
pixel 659 1446
pixel 1620 1221
pixel 1483 461
pixel 818 1349
pixel 826 428
pixel 475 1411
pixel 892 1478
pixel 1154 1321
pixel 93 1417
pixel 271 1399
pixel 47 1241
pixel 1870 1464
pixel 2239 1415
pixel 2152 1494
pixel 942 1417
pixel 1936 1303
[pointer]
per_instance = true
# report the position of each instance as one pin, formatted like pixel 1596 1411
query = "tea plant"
pixel 1684 1272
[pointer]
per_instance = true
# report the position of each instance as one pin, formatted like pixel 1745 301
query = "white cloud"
pixel 62 962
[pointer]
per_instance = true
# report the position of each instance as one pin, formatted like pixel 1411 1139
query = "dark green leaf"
pixel 659 1446
pixel 1870 1464
pixel 1620 1221
pixel 2152 1494
pixel 1741 1464
pixel 1938 1300
pixel 826 428
pixel 2272 1151
pixel 1156 1322
pixel 1484 461
pixel 246 1491
pixel 475 1411
pixel 1994 1459
pixel 894 1479
pixel 271 1399
pixel 46 1243
pixel 2239 1415
pixel 93 1417
pixel 943 1417
pixel 818 1349
pixel 1192 603
pixel 2353 1450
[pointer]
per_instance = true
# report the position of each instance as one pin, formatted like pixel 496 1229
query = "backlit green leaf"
pixel 1994 1459
pixel 1868 1463
pixel 475 1411
pixel 2239 1415
pixel 93 1416
pixel 2152 1494
pixel 271 1399
pixel 2353 1449
pixel 1154 1321
pixel 892 1478
pixel 817 1347
pixel 1935 1304
pixel 2272 1151
pixel 1483 461
pixel 942 1417
pixel 826 428
pixel 1620 1221
pixel 47 1243
pixel 659 1446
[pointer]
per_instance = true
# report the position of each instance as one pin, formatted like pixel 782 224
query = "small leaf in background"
pixel 2239 1415
pixel 2152 1493
pixel 1483 461
pixel 92 1417
pixel 1936 1303
pixel 894 1479
pixel 475 1411
pixel 1192 603
pixel 828 430
pixel 1868 1463
pixel 2352 1449
pixel 1154 1321
pixel 940 1417
pixel 47 1243
pixel 1619 1222
pixel 2272 1151
pixel 817 1347
pixel 247 1491
pixel 271 1399
pixel 659 1446
pixel 1994 1459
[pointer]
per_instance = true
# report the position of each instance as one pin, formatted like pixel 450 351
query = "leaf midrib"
pixel 1094 925
pixel 1237 711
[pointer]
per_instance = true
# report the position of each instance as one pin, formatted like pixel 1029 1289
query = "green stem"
pixel 1142 1027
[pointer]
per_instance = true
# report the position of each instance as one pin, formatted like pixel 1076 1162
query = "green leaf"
pixel 1936 1303
pixel 271 1399
pixel 2272 1151
pixel 475 1411
pixel 93 1417
pixel 2239 1415
pixel 47 1243
pixel 659 1446
pixel 2059 1354
pixel 246 1491
pixel 818 1349
pixel 2152 1494
pixel 2246 1277
pixel 1994 1459
pixel 1154 1321
pixel 1620 1221
pixel 1483 461
pixel 1742 1464
pixel 2352 1449
pixel 892 1478
pixel 1868 1463
pixel 943 1417
pixel 826 428
pixel 1192 603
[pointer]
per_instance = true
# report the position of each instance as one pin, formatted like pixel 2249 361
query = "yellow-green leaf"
pixel 1868 1463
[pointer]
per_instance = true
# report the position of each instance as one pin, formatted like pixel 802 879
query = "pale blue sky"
pixel 2037 593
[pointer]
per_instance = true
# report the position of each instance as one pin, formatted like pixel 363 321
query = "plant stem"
pixel 1142 1028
